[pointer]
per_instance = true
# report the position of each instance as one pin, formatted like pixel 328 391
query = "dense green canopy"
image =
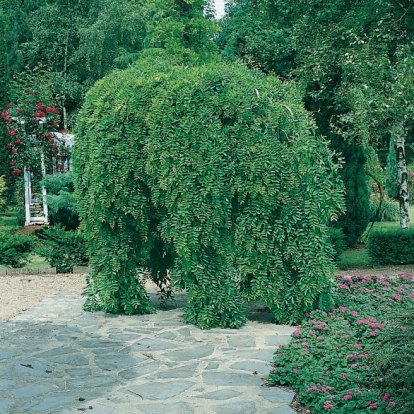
pixel 213 172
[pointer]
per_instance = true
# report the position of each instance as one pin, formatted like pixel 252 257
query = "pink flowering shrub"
pixel 331 360
pixel 393 359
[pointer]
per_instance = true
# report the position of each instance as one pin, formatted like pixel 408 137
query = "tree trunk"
pixel 398 133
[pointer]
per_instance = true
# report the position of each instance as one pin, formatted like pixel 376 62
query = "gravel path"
pixel 19 293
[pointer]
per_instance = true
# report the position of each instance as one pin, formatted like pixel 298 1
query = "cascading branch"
pixel 213 172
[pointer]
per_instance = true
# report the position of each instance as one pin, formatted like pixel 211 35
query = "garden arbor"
pixel 214 173
pixel 35 148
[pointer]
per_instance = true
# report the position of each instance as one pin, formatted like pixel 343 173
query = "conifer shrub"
pixel 63 249
pixel 15 249
pixel 213 172
pixel 338 242
pixel 357 194
pixel 391 183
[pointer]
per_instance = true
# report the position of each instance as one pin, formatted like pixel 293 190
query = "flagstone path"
pixel 56 358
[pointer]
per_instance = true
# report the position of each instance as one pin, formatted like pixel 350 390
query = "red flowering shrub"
pixel 31 129
pixel 330 358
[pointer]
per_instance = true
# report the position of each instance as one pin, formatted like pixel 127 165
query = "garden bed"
pixel 332 359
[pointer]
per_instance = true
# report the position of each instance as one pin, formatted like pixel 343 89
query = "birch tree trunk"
pixel 398 133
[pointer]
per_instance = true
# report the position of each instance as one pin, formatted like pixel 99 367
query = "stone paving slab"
pixel 56 358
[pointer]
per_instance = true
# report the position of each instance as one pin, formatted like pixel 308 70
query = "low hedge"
pixel 391 247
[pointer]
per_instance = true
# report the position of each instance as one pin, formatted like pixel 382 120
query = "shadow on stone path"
pixel 56 358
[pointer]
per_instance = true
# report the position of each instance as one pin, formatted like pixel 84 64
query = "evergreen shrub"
pixel 357 192
pixel 209 171
pixel 61 200
pixel 62 249
pixel 391 247
pixel 391 183
pixel 337 237
pixel 15 249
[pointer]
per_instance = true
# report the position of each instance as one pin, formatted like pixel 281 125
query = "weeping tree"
pixel 214 173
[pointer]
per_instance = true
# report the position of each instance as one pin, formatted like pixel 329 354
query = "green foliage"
pixel 61 200
pixel 2 193
pixel 181 27
pixel 62 249
pixel 338 241
pixel 354 358
pixel 391 247
pixel 251 35
pixel 65 46
pixel 393 358
pixel 391 183
pixel 357 193
pixel 386 210
pixel 219 168
pixel 15 249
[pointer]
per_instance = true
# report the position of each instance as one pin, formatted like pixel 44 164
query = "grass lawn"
pixel 8 221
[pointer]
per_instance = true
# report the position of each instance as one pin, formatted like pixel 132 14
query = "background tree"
pixel 10 60
pixel 181 27
pixel 350 57
pixel 76 43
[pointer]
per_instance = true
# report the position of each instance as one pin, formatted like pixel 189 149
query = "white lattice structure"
pixel 36 209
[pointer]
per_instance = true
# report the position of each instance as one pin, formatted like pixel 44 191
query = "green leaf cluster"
pixel 213 172
pixel 61 200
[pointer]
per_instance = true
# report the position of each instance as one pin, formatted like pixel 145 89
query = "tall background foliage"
pixel 354 61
